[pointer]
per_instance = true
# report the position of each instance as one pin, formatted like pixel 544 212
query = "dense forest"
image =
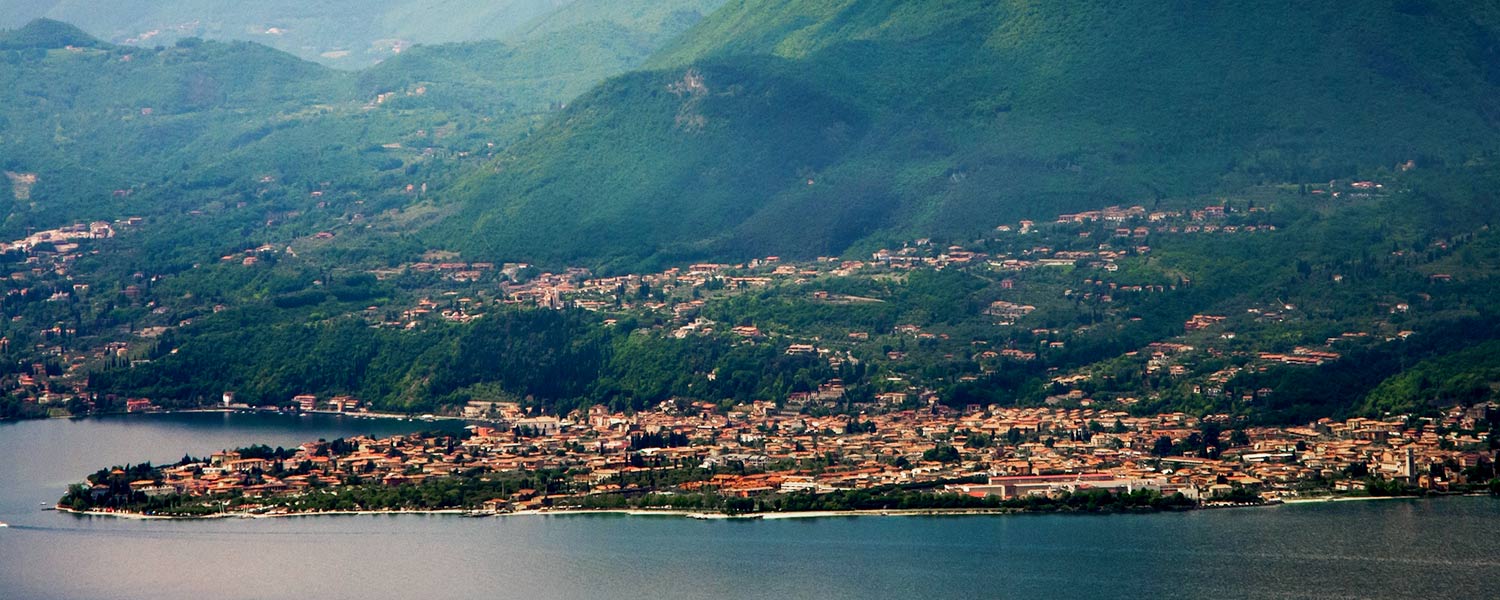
pixel 553 360
pixel 805 128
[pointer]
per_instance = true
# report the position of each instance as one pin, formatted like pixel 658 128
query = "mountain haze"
pixel 343 33
pixel 350 34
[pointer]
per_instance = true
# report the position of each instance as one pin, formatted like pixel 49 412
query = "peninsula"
pixel 754 459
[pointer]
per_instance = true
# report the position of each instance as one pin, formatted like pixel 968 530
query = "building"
pixel 343 403
pixel 306 402
pixel 1409 463
pixel 1047 485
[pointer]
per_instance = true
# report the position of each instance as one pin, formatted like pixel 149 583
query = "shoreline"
pixel 629 512
pixel 702 515
pixel 331 413
pixel 249 410
pixel 1318 499
pixel 566 512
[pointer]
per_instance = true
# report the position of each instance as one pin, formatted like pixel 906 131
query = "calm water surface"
pixel 1377 549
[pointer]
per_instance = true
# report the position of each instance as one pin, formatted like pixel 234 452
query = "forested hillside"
pixel 781 126
pixel 211 137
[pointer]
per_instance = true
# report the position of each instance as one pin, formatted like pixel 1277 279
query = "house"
pixel 748 331
pixel 246 465
pixel 306 402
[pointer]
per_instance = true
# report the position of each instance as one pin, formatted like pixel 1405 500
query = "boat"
pixel 3 525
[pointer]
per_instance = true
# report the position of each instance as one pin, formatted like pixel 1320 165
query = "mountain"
pixel 554 58
pixel 352 34
pixel 342 33
pixel 797 127
pixel 88 118
pixel 651 18
pixel 217 137
pixel 1299 202
pixel 46 34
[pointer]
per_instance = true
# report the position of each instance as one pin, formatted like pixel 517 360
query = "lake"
pixel 1376 549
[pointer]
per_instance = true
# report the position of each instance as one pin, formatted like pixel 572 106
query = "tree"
pixel 1163 446
pixel 941 453
pixel 78 405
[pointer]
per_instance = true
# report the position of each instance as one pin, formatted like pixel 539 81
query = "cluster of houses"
pixel 1301 356
pixel 758 449
pixel 64 239
pixel 682 292
pixel 51 253
pixel 1165 221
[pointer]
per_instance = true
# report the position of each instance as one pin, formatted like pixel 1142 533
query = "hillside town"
pixel 1041 272
pixel 452 290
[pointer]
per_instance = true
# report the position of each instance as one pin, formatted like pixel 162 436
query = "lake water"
pixel 1377 549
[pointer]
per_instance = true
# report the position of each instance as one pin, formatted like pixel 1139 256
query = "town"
pixel 598 459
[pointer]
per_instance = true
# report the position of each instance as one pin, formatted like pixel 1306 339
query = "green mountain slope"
pixel 812 126
pixel 46 34
pixel 215 137
pixel 550 60
pixel 95 118
pixel 653 18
